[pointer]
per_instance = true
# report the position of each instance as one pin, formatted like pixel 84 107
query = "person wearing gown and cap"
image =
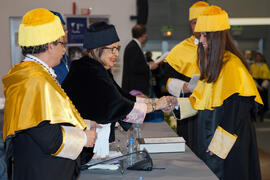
pixel 94 92
pixel 43 132
pixel 180 65
pixel 226 100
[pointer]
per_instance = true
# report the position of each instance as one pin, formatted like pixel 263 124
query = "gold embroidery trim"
pixel 186 110
pixel 167 84
pixel 222 142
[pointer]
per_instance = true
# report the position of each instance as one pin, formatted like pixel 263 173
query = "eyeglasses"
pixel 113 49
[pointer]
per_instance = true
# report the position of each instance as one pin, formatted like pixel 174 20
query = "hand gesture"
pixel 91 137
pixel 172 102
pixel 186 88
pixel 153 65
pixel 166 103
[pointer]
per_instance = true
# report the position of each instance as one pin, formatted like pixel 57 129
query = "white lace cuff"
pixel 137 114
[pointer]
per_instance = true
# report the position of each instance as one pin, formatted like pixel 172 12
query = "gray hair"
pixel 96 54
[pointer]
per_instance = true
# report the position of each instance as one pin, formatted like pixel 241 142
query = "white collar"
pixel 30 57
pixel 138 42
pixel 196 41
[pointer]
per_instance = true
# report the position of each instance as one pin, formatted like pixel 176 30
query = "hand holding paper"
pixel 193 82
pixel 102 143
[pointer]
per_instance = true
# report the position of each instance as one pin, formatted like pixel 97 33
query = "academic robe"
pixel 225 112
pixel 124 125
pixel 95 94
pixel 181 63
pixel 36 109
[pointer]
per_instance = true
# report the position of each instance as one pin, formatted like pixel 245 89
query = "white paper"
pixel 112 154
pixel 164 140
pixel 105 166
pixel 193 82
pixel 161 58
pixel 2 103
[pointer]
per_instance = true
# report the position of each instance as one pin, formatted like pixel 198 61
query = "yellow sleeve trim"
pixel 222 142
pixel 88 123
pixel 186 110
pixel 167 84
pixel 73 143
pixel 62 145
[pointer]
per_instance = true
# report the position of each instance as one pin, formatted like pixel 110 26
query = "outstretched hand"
pixel 166 103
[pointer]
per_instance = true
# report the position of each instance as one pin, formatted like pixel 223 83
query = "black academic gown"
pixel 95 94
pixel 123 124
pixel 226 109
pixel 32 149
pixel 235 115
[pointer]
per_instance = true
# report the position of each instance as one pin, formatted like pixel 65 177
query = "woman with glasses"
pixel 94 92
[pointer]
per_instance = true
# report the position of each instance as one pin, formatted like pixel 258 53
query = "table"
pixel 178 166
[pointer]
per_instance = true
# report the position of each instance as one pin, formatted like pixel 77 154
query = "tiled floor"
pixel 263 139
pixel 265 164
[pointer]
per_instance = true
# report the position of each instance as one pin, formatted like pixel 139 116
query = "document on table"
pixel 162 145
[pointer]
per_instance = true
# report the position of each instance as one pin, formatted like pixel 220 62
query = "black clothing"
pixel 235 116
pixel 170 72
pixel 264 95
pixel 95 94
pixel 136 72
pixel 32 149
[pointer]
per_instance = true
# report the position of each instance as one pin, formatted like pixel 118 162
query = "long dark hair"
pixel 211 61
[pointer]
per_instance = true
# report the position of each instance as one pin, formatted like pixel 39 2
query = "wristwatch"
pixel 153 103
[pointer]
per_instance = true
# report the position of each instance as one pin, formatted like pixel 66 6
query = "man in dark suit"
pixel 136 72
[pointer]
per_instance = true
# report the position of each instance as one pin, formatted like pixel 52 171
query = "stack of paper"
pixel 162 145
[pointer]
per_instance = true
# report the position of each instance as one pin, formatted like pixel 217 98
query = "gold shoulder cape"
pixel 260 72
pixel 183 57
pixel 33 96
pixel 233 78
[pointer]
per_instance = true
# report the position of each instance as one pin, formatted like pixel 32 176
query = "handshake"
pixel 165 103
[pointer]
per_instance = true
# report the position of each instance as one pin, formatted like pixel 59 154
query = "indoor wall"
pixel 118 10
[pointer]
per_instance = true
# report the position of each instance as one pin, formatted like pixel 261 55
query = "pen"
pixel 115 163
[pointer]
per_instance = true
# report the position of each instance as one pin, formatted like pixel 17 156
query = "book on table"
pixel 162 145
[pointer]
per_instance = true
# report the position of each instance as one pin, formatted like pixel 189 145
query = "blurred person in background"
pixel 74 53
pixel 62 68
pixel 154 77
pixel 261 75
pixel 136 70
pixel 248 56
